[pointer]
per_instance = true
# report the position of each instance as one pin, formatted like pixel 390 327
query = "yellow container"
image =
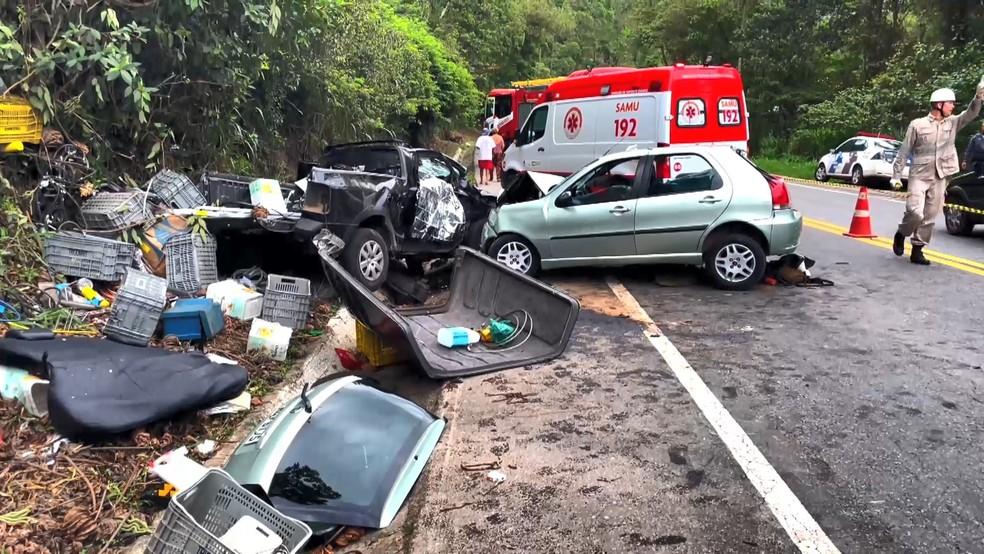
pixel 18 121
pixel 368 344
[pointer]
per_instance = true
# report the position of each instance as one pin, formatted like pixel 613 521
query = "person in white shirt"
pixel 485 145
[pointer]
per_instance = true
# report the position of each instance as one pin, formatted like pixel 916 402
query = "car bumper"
pixel 886 171
pixel 787 227
pixel 488 235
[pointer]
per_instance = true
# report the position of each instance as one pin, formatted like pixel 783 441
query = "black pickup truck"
pixel 388 201
pixel 966 191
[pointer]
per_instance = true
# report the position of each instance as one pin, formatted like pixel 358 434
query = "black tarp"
pixel 100 387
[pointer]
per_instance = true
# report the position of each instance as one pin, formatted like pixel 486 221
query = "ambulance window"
pixel 536 125
pixel 682 173
pixel 691 112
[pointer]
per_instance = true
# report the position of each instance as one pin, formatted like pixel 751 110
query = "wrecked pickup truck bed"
pixel 480 289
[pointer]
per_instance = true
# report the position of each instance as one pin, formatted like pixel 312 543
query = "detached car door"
pixel 593 216
pixel 684 194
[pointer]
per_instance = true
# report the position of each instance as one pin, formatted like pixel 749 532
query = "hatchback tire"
pixel 516 253
pixel 734 262
pixel 366 257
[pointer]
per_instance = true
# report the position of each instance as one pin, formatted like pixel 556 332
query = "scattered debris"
pixel 206 448
pixel 495 476
pixel 512 397
pixel 481 466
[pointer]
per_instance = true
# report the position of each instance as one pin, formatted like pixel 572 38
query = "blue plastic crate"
pixel 193 319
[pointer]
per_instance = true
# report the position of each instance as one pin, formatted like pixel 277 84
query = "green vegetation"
pixel 788 167
pixel 251 85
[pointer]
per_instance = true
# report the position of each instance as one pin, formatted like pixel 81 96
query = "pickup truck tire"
pixel 367 258
pixel 734 261
pixel 958 222
pixel 516 253
pixel 473 238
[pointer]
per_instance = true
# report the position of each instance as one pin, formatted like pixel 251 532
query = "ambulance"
pixel 593 113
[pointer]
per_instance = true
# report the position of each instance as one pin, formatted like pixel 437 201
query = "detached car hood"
pixel 531 185
pixel 351 460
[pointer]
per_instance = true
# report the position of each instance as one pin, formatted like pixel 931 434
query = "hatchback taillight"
pixel 780 194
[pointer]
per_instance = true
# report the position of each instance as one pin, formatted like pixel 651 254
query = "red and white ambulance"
pixel 595 112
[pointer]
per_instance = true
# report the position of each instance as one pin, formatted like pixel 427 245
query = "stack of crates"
pixel 287 301
pixel 109 211
pixel 19 122
pixel 137 308
pixel 79 255
pixel 176 190
pixel 208 268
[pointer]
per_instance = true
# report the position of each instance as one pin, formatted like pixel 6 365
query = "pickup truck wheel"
pixel 958 222
pixel 516 253
pixel 474 237
pixel 734 262
pixel 366 257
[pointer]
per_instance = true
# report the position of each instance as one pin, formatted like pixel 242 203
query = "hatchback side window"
pixel 682 173
pixel 847 146
pixel 609 182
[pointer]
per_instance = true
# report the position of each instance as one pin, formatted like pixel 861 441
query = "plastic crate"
pixel 197 517
pixel 18 121
pixel 287 301
pixel 193 319
pixel 181 263
pixel 114 210
pixel 208 268
pixel 81 255
pixel 369 345
pixel 175 189
pixel 137 308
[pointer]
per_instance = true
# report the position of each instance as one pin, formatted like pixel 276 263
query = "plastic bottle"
pixel 89 292
pixel 452 337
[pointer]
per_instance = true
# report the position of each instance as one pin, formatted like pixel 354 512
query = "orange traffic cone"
pixel 861 224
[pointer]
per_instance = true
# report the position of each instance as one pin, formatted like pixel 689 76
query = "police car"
pixel 863 158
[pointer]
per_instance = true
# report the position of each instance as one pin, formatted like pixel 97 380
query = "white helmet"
pixel 943 95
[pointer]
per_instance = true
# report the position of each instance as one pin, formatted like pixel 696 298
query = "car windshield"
pixel 341 466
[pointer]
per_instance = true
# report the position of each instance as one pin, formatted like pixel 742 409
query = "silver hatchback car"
pixel 695 205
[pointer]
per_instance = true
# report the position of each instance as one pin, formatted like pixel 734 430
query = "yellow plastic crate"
pixel 368 344
pixel 18 121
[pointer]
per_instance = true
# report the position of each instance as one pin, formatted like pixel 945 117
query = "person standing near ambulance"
pixel 485 145
pixel 930 141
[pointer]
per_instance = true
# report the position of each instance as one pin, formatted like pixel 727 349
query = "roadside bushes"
pixel 249 85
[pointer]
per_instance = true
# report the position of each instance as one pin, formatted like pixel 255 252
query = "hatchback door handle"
pixel 709 200
pixel 619 210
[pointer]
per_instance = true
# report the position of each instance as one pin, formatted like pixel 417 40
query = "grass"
pixel 788 167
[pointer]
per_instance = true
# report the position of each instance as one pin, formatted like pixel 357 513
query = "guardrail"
pixel 897 195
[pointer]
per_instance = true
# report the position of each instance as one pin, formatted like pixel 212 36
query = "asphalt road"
pixel 866 399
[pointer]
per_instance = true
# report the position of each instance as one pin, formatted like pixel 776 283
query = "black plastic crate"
pixel 225 189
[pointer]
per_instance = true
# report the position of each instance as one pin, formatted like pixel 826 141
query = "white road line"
pixel 851 194
pixel 798 523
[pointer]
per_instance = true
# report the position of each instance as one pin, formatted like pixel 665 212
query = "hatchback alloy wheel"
pixel 735 263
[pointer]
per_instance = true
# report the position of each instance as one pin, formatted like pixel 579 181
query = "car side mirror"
pixel 565 200
pixel 831 151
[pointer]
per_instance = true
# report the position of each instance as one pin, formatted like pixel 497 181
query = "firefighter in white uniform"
pixel 930 141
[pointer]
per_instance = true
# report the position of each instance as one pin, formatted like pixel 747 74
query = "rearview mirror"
pixel 565 200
